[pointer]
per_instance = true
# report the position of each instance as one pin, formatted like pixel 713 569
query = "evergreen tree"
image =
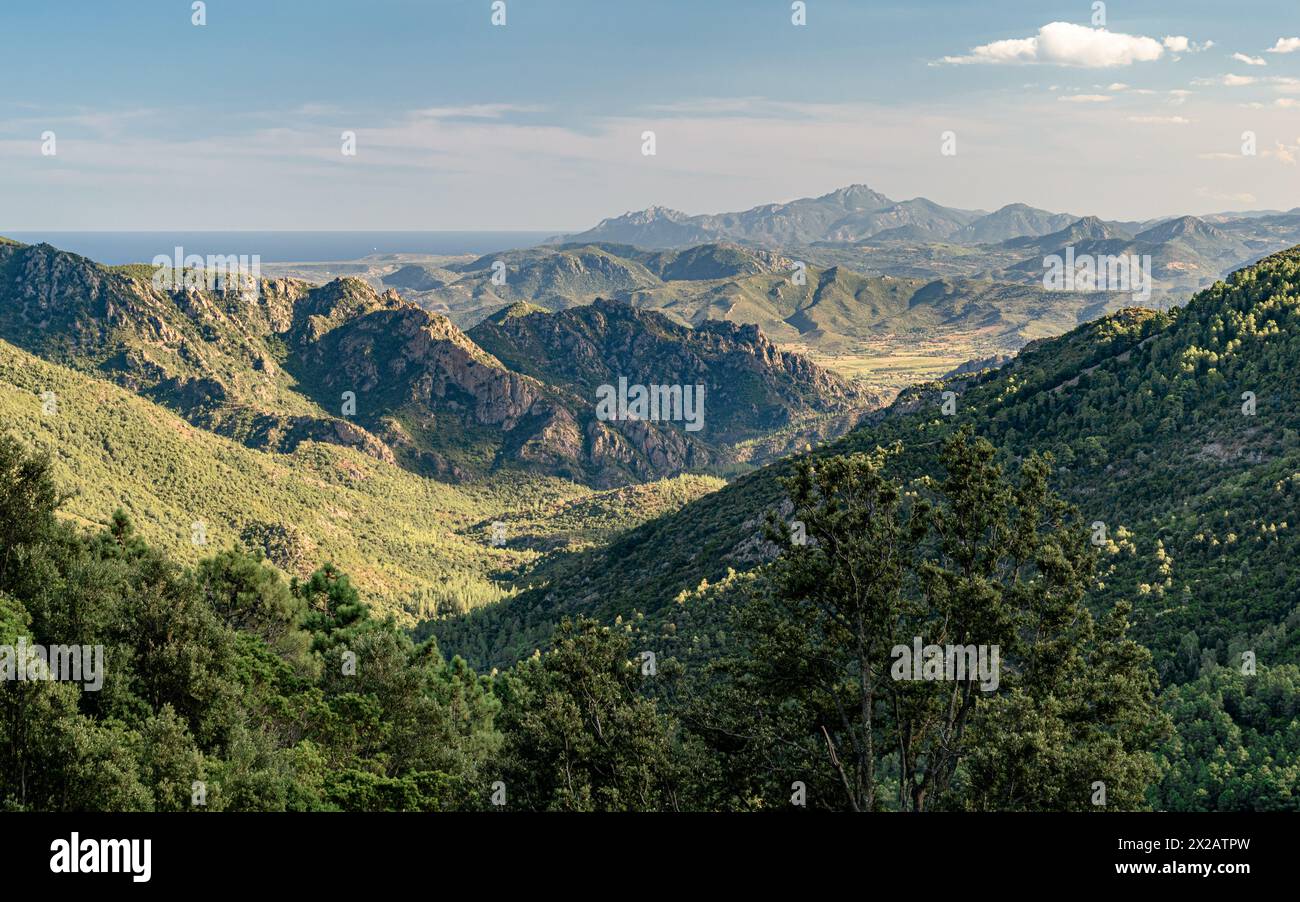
pixel 822 688
pixel 578 735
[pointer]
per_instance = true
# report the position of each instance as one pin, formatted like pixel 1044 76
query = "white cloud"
pixel 1285 45
pixel 1160 120
pixel 1180 44
pixel 476 111
pixel 1120 87
pixel 1021 50
pixel 1067 44
pixel 1085 98
pixel 1230 81
pixel 1250 60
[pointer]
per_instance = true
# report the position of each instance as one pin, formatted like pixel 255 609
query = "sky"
pixel 537 124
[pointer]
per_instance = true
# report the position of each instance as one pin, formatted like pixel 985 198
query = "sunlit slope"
pixel 398 534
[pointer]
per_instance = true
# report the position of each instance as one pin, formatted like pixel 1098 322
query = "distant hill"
pixel 799 221
pixel 847 214
pixel 417 278
pixel 1089 228
pixel 853 214
pixel 754 389
pixel 710 261
pixel 919 238
pixel 1183 228
pixel 1185 252
pixel 830 309
pixel 652 227
pixel 1012 221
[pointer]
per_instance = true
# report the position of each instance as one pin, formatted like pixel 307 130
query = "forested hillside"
pixel 1144 416
pixel 415 546
pixel 1175 436
pixel 224 687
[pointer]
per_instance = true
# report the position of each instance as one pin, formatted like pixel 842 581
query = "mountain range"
pixel 828 308
pixel 343 364
pixel 857 213
pixel 869 232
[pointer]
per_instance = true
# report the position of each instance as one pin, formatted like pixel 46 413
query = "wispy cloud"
pixel 1160 120
pixel 1238 198
pixel 1228 81
pixel 477 111
pixel 1282 152
pixel 96 122
pixel 1250 60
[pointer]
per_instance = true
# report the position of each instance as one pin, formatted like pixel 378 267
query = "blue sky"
pixel 536 125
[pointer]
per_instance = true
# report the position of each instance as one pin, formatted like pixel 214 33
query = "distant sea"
pixel 116 248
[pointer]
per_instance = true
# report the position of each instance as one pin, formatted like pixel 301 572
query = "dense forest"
pixel 228 687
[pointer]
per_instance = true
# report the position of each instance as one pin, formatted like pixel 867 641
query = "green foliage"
pixel 1238 742
pixel 250 596
pixel 578 735
pixel 815 690
pixel 210 689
